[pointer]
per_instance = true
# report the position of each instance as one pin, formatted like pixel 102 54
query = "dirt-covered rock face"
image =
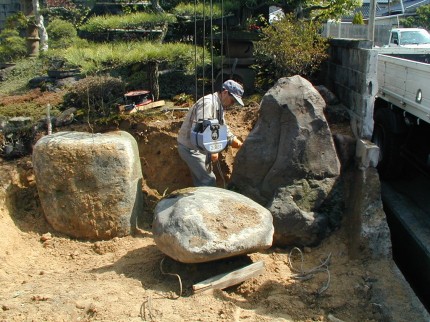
pixel 45 275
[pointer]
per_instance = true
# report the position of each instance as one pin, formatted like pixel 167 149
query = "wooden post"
pixel 153 79
pixel 222 281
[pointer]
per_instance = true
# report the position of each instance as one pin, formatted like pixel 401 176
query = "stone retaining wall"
pixel 351 75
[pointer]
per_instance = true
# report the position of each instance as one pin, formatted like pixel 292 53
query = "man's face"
pixel 228 99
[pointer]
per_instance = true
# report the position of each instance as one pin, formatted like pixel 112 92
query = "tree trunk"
pixel 153 79
pixel 26 7
pixel 156 6
pixel 43 42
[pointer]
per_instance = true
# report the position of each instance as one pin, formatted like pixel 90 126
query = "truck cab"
pixel 409 38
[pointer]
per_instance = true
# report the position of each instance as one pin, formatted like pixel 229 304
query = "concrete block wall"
pixel 351 75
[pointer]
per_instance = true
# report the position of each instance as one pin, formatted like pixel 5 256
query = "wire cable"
pixel 176 275
pixel 306 275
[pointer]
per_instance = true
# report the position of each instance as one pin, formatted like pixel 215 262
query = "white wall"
pixel 347 30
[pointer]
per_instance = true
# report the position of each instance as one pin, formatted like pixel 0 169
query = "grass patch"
pixel 16 80
pixel 33 104
pixel 35 111
pixel 200 10
pixel 95 57
pixel 137 20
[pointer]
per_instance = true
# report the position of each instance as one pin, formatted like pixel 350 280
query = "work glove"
pixel 236 143
pixel 208 162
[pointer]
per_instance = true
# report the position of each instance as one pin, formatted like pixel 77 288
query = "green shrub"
pixel 358 19
pixel 421 19
pixel 12 46
pixel 17 21
pixel 135 79
pixel 67 11
pixel 95 95
pixel 61 33
pixel 174 83
pixel 289 47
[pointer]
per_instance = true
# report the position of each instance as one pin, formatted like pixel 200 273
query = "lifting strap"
pixel 209 134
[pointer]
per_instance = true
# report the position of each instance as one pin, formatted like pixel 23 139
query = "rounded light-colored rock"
pixel 203 224
pixel 89 184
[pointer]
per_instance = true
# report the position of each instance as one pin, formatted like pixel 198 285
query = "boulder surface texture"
pixel 203 224
pixel 89 184
pixel 288 162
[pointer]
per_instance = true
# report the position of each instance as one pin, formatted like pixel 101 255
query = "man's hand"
pixel 236 143
pixel 214 157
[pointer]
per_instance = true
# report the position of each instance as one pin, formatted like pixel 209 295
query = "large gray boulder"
pixel 89 184
pixel 203 224
pixel 288 163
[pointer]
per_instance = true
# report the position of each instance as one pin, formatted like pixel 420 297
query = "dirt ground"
pixel 46 276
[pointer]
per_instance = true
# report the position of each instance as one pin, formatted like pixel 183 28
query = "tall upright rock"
pixel 288 163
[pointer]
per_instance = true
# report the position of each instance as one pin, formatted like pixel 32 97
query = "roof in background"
pixel 409 6
pixel 385 8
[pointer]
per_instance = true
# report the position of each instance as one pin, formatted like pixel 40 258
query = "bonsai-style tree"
pixel 358 19
pixel 12 46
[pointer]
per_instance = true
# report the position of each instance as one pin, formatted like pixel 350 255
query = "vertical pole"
pixel 48 118
pixel 371 25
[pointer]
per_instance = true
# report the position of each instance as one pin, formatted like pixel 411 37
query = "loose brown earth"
pixel 46 276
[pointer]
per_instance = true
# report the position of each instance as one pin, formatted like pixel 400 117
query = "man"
pixel 208 107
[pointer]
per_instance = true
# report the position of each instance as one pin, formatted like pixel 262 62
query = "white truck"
pixel 402 110
pixel 409 38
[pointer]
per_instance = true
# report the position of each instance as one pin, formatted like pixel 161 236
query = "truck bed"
pixel 415 54
pixel 401 81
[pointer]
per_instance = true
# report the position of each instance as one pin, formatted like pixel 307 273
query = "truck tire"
pixel 391 164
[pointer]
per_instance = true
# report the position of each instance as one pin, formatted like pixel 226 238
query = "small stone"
pixel 81 305
pixel 47 244
pixel 45 237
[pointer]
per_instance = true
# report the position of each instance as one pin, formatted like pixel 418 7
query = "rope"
pixel 222 41
pixel 212 48
pixel 220 172
pixel 195 47
pixel 306 275
pixel 228 48
pixel 203 55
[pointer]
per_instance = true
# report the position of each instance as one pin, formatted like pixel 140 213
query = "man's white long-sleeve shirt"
pixel 207 107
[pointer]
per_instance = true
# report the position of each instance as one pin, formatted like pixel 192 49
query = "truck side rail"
pixel 405 84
